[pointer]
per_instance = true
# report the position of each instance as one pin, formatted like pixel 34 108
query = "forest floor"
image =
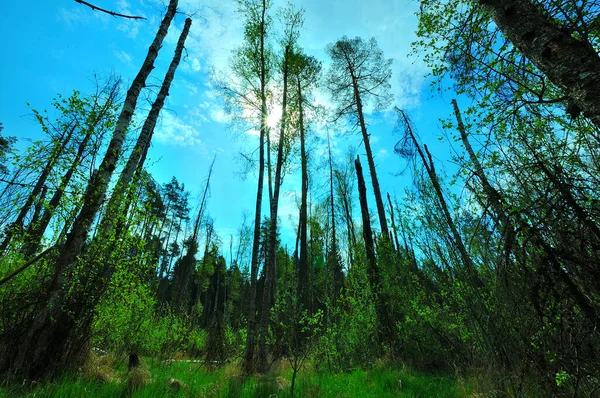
pixel 184 379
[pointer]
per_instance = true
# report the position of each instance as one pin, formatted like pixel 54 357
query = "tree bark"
pixel 395 231
pixel 570 63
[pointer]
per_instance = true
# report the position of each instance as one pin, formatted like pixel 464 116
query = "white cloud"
pixel 382 154
pixel 218 115
pixel 71 16
pixel 130 27
pixel 192 88
pixel 197 115
pixel 196 65
pixel 123 56
pixel 172 130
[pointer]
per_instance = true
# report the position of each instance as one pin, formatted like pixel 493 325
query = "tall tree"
pixel 293 21
pixel 360 75
pixel 252 66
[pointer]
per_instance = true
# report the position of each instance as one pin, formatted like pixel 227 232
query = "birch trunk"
pixel 570 63
pixel 143 142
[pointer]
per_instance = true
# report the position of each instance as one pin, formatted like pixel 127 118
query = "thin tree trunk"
pixel 36 231
pixel 39 207
pixel 251 332
pixel 458 241
pixel 370 161
pixel 271 266
pixel 349 225
pixel 182 280
pixel 336 269
pixel 395 231
pixel 17 226
pixel 303 260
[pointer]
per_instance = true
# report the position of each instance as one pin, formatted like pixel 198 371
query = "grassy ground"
pixel 194 380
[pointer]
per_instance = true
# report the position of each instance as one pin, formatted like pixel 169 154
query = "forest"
pixel 478 275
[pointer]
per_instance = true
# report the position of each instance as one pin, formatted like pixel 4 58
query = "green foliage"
pixel 351 341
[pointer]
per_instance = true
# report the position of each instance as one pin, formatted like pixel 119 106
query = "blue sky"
pixel 51 47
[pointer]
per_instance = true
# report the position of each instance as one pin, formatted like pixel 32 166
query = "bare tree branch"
pixel 114 14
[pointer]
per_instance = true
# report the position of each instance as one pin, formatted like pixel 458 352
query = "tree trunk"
pixel 39 207
pixel 336 266
pixel 570 63
pixel 303 260
pixel 271 266
pixel 251 332
pixel 370 161
pixel 395 231
pixel 349 224
pixel 143 142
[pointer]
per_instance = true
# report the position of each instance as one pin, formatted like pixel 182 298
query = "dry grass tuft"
pixel 479 384
pixel 282 366
pixel 283 384
pixel 233 370
pixel 137 379
pixel 176 384
pixel 210 390
pixel 99 368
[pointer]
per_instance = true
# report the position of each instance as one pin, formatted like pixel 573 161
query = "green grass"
pixel 228 382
